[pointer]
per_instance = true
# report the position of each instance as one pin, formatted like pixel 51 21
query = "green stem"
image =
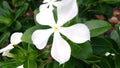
pixel 24 51
pixel 63 66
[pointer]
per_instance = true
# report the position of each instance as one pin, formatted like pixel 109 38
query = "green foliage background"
pixel 19 16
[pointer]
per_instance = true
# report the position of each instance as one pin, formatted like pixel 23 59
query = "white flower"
pixel 113 54
pixel 21 66
pixel 7 53
pixel 107 53
pixel 77 33
pixel 14 40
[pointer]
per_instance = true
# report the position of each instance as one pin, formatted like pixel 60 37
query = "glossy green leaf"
pixel 28 33
pixel 5 20
pixel 53 64
pixel 17 3
pixel 117 27
pixel 6 6
pixel 117 61
pixel 9 63
pixel 105 63
pixel 111 1
pixel 21 10
pixel 97 27
pixel 115 36
pixel 70 64
pixel 30 64
pixel 86 2
pixel 82 51
pixel 100 45
pixel 4 37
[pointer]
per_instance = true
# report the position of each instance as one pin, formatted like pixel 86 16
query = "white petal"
pixel 61 50
pixel 66 11
pixel 43 7
pixel 45 18
pixel 45 1
pixel 78 33
pixel 21 66
pixel 40 37
pixel 107 53
pixel 16 38
pixel 7 53
pixel 113 54
pixel 57 3
pixel 9 47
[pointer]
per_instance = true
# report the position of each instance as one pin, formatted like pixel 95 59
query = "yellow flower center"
pixel 13 43
pixel 56 28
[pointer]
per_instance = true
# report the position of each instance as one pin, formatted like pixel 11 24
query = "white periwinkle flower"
pixel 14 40
pixel 77 33
pixel 113 54
pixel 21 66
pixel 107 53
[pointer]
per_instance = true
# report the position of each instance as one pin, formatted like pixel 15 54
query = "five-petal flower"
pixel 77 33
pixel 14 40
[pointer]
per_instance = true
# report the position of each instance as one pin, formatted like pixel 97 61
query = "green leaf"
pixel 115 36
pixel 28 33
pixel 30 64
pixel 111 1
pixel 117 27
pixel 17 3
pixel 9 63
pixel 21 10
pixel 100 45
pixel 117 61
pixel 69 64
pixel 105 63
pixel 82 51
pixel 97 27
pixel 102 9
pixel 5 20
pixel 86 2
pixel 6 6
pixel 1 2
pixel 2 12
pixel 53 64
pixel 4 37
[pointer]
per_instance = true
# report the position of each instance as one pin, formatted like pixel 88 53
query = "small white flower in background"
pixel 108 53
pixel 14 40
pixel 113 54
pixel 7 53
pixel 21 66
pixel 78 33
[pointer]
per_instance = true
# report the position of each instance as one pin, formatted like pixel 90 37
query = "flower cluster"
pixel 66 10
pixel 14 40
pixel 61 50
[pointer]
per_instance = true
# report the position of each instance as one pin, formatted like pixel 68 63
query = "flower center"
pixel 56 28
pixel 13 43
